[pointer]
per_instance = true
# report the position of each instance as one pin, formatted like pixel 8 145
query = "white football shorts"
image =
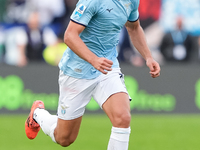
pixel 75 93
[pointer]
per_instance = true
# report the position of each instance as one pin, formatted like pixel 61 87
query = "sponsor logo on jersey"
pixel 109 10
pixel 80 10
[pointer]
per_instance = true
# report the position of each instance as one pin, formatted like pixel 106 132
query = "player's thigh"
pixel 111 94
pixel 74 96
pixel 117 103
pixel 117 108
pixel 67 129
pixel 108 85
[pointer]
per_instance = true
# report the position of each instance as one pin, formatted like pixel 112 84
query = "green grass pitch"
pixel 149 132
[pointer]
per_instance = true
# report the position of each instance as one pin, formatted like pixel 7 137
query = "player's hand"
pixel 154 67
pixel 102 64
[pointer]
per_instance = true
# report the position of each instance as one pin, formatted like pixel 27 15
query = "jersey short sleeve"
pixel 134 15
pixel 84 11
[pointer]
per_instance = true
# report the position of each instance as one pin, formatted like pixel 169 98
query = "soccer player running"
pixel 89 68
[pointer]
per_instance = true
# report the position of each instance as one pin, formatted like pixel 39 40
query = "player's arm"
pixel 138 39
pixel 74 42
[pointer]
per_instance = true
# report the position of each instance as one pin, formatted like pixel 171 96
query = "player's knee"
pixel 126 119
pixel 66 142
pixel 122 120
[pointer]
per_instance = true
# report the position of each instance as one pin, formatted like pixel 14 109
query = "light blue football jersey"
pixel 103 21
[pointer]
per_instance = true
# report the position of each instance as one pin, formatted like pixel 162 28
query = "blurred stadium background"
pixel 165 111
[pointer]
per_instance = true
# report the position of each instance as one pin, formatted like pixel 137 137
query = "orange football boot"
pixel 31 126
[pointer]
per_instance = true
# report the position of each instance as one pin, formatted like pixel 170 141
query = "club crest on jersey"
pixel 80 10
